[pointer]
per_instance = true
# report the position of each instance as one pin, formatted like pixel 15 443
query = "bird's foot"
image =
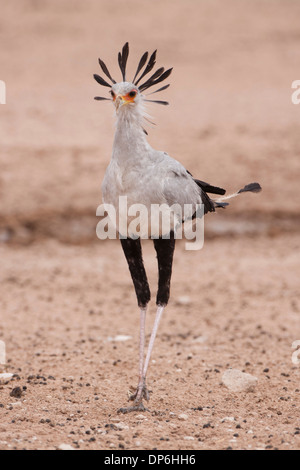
pixel 137 397
pixel 140 393
pixel 138 406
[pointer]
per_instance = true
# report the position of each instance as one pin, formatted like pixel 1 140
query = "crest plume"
pixel 157 77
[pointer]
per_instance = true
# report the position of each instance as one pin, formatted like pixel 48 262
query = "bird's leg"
pixel 133 252
pixel 165 250
pixel 159 312
pixel 141 391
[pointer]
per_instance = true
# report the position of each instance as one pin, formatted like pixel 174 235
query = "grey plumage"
pixel 148 177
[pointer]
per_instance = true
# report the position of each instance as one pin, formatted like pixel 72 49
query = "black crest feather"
pixel 154 80
pixel 101 98
pixel 149 66
pixel 105 70
pixel 101 81
pixel 165 103
pixel 160 89
pixel 157 77
pixel 122 58
pixel 141 65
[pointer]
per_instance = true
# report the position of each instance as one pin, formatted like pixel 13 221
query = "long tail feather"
pixel 252 187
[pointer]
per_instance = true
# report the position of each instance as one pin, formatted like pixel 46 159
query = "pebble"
pixel 183 417
pixel 184 300
pixel 65 447
pixel 238 381
pixel 16 392
pixel 121 426
pixel 229 419
pixel 16 404
pixel 5 377
pixel 200 339
pixel 119 338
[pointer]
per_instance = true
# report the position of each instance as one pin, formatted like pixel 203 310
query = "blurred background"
pixel 231 120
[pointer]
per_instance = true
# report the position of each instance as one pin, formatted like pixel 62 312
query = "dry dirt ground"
pixel 68 311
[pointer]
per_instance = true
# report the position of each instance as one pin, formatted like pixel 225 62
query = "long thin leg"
pixel 159 312
pixel 165 251
pixel 133 252
pixel 141 391
pixel 142 339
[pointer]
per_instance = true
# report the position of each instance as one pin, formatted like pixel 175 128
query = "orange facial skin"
pixel 126 99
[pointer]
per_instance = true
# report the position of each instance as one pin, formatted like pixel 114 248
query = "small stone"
pixel 183 300
pixel 188 438
pixel 5 377
pixel 140 417
pixel 119 338
pixel 238 381
pixel 183 417
pixel 65 447
pixel 16 392
pixel 121 426
pixel 200 339
pixel 229 419
pixel 16 404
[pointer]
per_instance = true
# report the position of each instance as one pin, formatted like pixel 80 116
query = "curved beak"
pixel 119 101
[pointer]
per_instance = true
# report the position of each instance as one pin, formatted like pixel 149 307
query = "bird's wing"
pixel 208 188
pixel 179 187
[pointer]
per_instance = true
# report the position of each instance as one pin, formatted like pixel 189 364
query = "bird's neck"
pixel 130 142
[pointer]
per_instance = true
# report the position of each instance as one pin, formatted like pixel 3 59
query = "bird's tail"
pixel 251 187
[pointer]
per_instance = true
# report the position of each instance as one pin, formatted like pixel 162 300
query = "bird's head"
pixel 125 94
pixel 129 95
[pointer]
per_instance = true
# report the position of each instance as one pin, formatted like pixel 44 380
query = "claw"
pixel 138 407
pixel 139 394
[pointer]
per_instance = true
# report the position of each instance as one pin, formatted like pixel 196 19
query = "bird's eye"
pixel 112 94
pixel 132 94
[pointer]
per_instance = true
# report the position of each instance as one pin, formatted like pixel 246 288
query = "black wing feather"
pixel 208 188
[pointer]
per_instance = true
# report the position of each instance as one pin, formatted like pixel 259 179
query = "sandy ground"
pixel 66 297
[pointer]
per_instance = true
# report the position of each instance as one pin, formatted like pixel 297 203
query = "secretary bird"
pixel 147 176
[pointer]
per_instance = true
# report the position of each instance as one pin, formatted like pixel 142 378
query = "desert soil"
pixel 69 317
